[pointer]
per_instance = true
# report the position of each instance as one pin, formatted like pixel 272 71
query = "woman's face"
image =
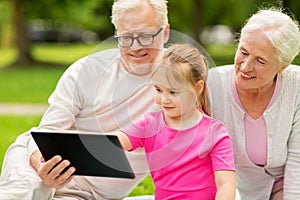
pixel 256 62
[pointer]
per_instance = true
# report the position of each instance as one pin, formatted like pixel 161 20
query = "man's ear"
pixel 166 33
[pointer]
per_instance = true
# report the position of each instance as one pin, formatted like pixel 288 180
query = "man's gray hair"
pixel 121 6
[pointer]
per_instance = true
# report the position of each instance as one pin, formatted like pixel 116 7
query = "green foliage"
pixel 296 61
pixel 221 54
pixel 146 187
pixel 5 14
pixel 11 127
pixel 93 14
pixel 182 9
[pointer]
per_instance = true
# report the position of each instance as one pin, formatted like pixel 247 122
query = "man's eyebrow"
pixel 139 32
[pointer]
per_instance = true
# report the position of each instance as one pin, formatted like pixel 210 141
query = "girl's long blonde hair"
pixel 197 70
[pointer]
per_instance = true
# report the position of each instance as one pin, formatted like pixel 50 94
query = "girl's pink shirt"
pixel 182 162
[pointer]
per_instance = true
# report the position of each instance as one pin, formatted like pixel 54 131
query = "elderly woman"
pixel 258 99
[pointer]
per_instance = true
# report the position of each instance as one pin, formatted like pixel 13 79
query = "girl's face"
pixel 256 62
pixel 177 99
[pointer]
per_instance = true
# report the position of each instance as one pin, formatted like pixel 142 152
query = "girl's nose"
pixel 165 98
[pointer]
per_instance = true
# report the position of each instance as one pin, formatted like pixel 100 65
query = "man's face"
pixel 135 23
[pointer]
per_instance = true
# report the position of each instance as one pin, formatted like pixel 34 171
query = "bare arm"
pixel 51 171
pixel 124 140
pixel 225 181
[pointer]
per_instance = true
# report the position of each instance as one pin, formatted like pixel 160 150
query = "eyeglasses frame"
pixel 137 38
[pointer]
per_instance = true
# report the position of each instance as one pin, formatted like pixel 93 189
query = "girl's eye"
pixel 173 92
pixel 158 89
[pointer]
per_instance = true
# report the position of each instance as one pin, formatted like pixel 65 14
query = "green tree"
pixel 189 17
pixel 22 41
pixel 92 14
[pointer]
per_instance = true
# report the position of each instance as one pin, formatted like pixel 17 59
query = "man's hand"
pixel 51 171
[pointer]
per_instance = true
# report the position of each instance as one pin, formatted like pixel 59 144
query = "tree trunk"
pixel 22 39
pixel 197 20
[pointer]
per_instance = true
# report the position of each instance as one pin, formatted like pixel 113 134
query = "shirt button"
pixel 266 113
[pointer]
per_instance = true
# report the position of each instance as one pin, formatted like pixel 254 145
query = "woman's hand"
pixel 54 172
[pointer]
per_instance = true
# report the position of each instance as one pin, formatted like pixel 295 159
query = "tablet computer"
pixel 90 154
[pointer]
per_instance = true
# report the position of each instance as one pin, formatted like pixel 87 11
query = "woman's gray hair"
pixel 121 6
pixel 280 28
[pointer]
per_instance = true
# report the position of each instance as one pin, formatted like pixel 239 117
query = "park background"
pixel 40 39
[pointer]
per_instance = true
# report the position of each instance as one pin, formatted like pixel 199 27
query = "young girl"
pixel 189 154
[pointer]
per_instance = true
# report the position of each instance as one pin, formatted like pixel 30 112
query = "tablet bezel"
pixel 91 154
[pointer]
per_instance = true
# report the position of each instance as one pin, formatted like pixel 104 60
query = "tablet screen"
pixel 90 154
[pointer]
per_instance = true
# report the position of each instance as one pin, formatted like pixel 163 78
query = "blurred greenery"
pixel 188 17
pixel 221 55
pixel 32 85
pixel 11 127
pixel 146 187
pixel 61 54
pixel 39 80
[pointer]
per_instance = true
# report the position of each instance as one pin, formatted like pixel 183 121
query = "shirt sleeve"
pixel 221 153
pixel 64 102
pixel 31 146
pixel 136 132
pixel 292 172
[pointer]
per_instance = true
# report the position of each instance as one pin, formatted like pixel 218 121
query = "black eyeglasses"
pixel 143 40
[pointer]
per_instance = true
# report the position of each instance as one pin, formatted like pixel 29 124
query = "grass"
pixel 66 53
pixel 57 53
pixel 32 85
pixel 146 187
pixel 11 126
